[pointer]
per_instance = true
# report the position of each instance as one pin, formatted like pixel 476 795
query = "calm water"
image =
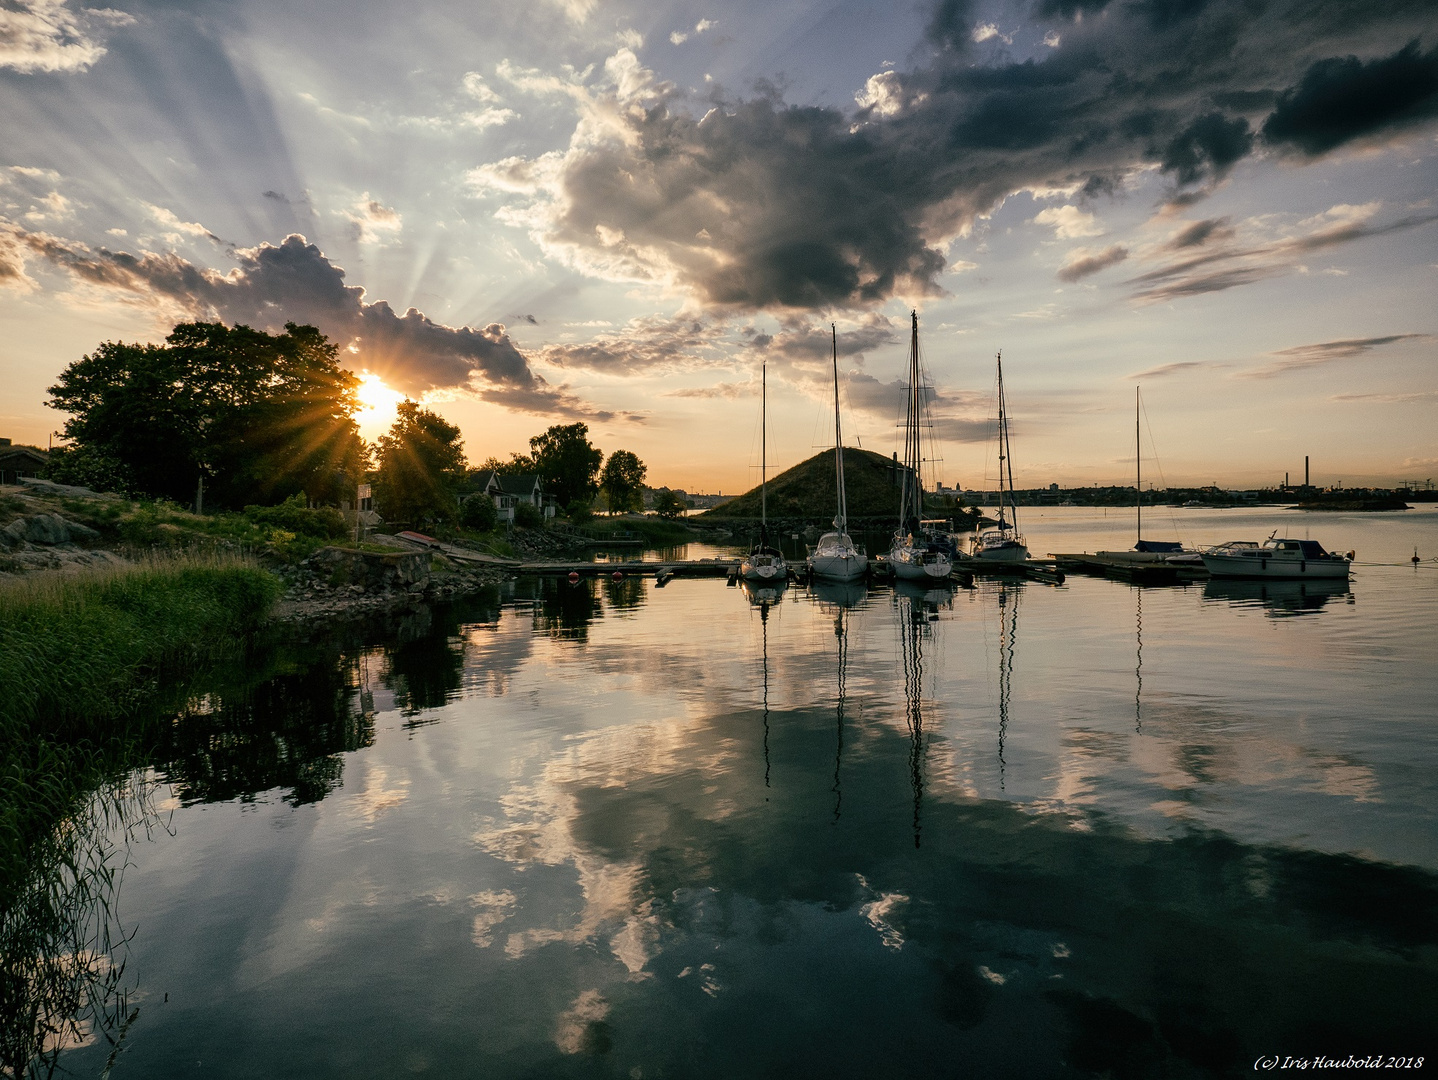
pixel 613 830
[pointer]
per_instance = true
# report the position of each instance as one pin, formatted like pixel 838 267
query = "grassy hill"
pixel 807 491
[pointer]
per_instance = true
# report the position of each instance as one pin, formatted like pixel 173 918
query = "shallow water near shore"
pixel 614 830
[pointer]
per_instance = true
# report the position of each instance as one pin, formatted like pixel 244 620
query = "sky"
pixel 632 214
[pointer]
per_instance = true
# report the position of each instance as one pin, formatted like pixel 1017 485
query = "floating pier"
pixel 1140 573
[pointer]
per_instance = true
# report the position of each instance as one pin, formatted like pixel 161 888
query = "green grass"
pixel 76 648
pixel 88 659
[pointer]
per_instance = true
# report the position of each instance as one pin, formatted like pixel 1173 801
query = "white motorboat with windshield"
pixel 764 562
pixel 1002 543
pixel 835 556
pixel 1275 559
pixel 913 555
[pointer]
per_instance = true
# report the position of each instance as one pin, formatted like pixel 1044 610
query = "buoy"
pixel 574 577
pixel 618 576
pixel 1416 560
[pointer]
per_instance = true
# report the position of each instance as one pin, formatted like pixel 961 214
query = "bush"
pixel 528 516
pixel 579 512
pixel 293 516
pixel 669 505
pixel 478 512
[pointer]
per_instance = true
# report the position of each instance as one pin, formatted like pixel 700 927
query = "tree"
pixel 566 462
pixel 669 505
pixel 623 481
pixel 478 512
pixel 421 465
pixel 517 464
pixel 258 416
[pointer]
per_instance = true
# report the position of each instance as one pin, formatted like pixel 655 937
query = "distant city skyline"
pixel 616 212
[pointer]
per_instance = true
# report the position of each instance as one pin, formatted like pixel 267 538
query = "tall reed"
pixel 84 647
pixel 89 659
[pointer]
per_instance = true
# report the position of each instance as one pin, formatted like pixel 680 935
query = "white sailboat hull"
pixel 849 566
pixel 919 564
pixel 835 557
pixel 764 568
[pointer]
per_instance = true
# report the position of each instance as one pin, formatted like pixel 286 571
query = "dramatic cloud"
pixel 1226 267
pixel 1339 100
pixel 45 35
pixel 294 282
pixel 1308 356
pixel 754 204
pixel 1082 262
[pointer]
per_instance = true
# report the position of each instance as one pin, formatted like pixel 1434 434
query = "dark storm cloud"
pixel 763 204
pixel 294 282
pixel 1339 100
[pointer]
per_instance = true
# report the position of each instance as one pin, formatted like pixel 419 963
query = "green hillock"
pixel 806 491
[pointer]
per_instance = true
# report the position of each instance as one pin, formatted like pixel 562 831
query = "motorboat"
pixel 1003 542
pixel 1275 558
pixel 835 556
pixel 913 555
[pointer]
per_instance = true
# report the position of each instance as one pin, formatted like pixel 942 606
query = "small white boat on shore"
pixel 1275 559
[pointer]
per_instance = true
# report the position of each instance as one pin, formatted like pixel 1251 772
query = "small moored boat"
pixel 835 556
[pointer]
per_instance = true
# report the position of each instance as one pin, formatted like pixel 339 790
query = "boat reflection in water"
pixel 914 629
pixel 1281 598
pixel 839 594
pixel 1008 607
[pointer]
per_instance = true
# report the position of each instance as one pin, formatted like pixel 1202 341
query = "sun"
pixel 377 404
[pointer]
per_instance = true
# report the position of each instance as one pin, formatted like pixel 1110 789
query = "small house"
pixel 509 490
pixel 18 461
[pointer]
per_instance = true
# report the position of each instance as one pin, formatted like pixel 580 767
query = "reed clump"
pixel 78 649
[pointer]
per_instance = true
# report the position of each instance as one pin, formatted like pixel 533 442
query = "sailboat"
pixel 913 556
pixel 835 557
pixel 1003 543
pixel 764 563
pixel 1146 551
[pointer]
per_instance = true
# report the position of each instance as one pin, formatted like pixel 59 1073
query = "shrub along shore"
pixel 88 658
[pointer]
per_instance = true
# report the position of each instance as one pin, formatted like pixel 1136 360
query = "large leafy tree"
pixel 622 481
pixel 566 462
pixel 258 416
pixel 421 467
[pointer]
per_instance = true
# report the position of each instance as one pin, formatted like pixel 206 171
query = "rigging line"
pixel 1158 464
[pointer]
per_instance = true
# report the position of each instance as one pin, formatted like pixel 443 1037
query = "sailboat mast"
pixel 1003 437
pixel 841 521
pixel 1138 463
pixel 913 505
pixel 1006 458
pixel 763 453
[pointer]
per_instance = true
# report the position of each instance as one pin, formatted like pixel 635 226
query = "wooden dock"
pixel 1139 573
